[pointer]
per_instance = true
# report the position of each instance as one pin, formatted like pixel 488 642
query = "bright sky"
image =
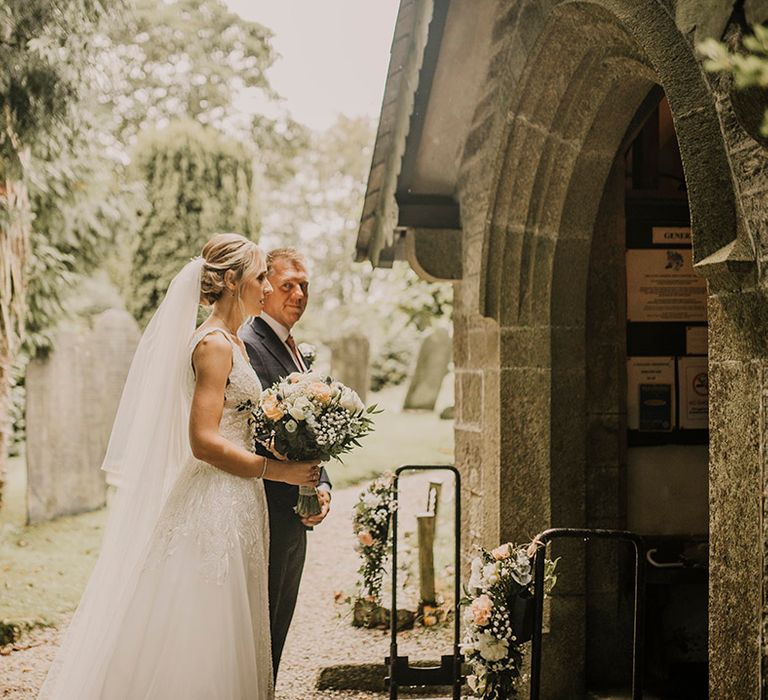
pixel 335 54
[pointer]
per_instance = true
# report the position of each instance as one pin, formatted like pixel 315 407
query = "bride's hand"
pixel 298 473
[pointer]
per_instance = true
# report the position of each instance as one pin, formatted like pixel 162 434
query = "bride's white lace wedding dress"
pixel 196 622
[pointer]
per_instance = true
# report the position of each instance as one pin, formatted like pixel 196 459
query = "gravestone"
pixel 350 362
pixel 72 398
pixel 431 368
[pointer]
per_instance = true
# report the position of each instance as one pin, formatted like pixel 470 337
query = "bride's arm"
pixel 212 360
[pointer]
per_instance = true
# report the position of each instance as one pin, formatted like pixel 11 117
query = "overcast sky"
pixel 334 54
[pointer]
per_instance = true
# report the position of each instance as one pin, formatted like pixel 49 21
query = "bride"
pixel 177 603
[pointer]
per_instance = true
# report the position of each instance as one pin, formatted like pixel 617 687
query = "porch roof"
pixel 438 57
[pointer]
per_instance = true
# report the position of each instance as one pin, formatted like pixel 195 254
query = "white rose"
pixel 301 407
pixel 370 500
pixel 491 573
pixel 291 426
pixel 490 648
pixel 349 400
pixel 296 413
pixel 476 577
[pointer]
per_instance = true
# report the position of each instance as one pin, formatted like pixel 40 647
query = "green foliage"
pixel 319 211
pixel 748 68
pixel 186 58
pixel 44 48
pixel 77 208
pixel 196 183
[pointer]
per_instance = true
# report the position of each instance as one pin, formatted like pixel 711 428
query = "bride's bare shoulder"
pixel 212 352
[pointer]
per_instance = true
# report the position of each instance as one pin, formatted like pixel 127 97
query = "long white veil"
pixel 148 447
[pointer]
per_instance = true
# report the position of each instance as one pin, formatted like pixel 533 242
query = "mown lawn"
pixel 44 568
pixel 414 437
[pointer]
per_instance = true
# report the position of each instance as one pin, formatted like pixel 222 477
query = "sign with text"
pixel 651 393
pixel 696 342
pixel 694 393
pixel 671 235
pixel 662 286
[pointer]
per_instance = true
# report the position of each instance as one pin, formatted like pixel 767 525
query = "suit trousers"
pixel 287 552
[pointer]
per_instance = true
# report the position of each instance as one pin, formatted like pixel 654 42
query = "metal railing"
pixel 448 673
pixel 638 640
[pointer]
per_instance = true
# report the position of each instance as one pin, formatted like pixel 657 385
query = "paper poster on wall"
pixel 696 342
pixel 671 235
pixel 651 393
pixel 694 393
pixel 662 286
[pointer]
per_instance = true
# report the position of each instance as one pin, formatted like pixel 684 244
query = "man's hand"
pixel 324 496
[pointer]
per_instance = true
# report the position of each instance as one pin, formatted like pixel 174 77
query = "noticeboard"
pixel 662 286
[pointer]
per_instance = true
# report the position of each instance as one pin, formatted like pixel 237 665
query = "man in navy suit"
pixel 273 354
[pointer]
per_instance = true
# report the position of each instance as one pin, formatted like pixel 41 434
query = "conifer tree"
pixel 197 182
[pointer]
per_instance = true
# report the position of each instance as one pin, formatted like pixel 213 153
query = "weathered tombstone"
pixel 72 397
pixel 350 362
pixel 431 368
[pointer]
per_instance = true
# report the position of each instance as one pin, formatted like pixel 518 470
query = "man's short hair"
pixel 290 255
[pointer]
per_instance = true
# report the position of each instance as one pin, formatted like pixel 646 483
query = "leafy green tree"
pixel 318 211
pixel 185 59
pixel 44 49
pixel 196 182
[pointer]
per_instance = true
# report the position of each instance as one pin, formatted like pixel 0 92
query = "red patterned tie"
pixel 291 343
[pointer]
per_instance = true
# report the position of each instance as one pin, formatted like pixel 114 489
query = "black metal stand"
pixel 449 671
pixel 639 610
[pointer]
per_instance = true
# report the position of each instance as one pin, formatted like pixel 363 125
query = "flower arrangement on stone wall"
pixel 498 601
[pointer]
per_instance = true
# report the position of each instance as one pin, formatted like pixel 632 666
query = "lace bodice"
pixel 242 385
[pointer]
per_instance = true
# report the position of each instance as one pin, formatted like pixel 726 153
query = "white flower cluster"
pixel 309 415
pixel 491 645
pixel 370 523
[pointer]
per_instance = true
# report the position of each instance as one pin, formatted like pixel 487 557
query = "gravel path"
pixel 321 634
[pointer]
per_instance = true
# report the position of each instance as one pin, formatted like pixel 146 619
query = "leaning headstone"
pixel 350 362
pixel 72 397
pixel 431 368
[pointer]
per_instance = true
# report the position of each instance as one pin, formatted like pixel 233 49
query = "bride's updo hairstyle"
pixel 226 251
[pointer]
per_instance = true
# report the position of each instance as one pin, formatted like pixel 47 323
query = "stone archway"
pixel 589 66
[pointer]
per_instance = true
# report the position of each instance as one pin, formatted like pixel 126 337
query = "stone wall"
pixel 563 85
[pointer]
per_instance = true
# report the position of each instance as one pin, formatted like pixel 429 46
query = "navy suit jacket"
pixel 272 361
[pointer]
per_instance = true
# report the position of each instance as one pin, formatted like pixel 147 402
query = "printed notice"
pixel 662 286
pixel 694 393
pixel 671 235
pixel 696 340
pixel 651 393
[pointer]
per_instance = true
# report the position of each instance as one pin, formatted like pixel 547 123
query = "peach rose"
pixel 481 610
pixel 365 537
pixel 501 552
pixel 271 407
pixel 321 391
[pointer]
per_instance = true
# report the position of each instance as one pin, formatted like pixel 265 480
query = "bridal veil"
pixel 148 447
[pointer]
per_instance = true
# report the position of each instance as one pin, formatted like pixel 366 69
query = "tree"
pixel 318 211
pixel 44 47
pixel 196 182
pixel 184 59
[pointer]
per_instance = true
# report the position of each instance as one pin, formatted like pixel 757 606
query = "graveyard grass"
pixel 44 567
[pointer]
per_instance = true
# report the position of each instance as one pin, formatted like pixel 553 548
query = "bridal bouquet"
pixel 309 416
pixel 496 599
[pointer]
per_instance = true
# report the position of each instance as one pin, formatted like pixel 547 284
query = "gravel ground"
pixel 321 634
